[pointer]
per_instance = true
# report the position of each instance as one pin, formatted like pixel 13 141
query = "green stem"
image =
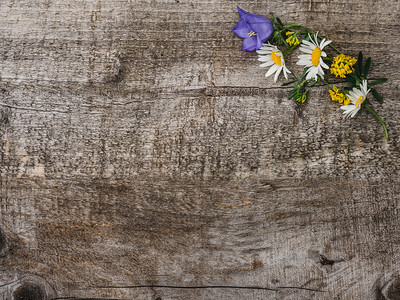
pixel 291 72
pixel 327 83
pixel 290 49
pixel 327 58
pixel 273 19
pixel 291 26
pixel 311 86
pixel 376 115
pixel 334 48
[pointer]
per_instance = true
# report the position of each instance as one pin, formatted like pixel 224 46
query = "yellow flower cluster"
pixel 292 38
pixel 339 96
pixel 342 65
pixel 302 98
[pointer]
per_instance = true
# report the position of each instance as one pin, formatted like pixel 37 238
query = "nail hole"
pixel 29 292
pixel 325 261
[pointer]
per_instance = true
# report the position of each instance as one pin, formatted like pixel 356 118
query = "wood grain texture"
pixel 144 156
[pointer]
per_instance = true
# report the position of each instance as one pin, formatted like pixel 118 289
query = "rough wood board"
pixel 143 156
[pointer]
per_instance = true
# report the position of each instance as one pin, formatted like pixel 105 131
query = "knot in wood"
pixel 29 291
pixel 391 290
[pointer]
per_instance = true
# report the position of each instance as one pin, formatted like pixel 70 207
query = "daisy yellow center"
pixel 277 59
pixel 359 100
pixel 315 55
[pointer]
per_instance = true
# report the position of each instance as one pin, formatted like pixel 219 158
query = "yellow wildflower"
pixel 342 65
pixel 339 96
pixel 292 38
pixel 302 98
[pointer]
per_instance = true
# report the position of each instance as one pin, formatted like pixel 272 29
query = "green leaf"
pixel 377 95
pixel 286 44
pixel 380 80
pixel 294 93
pixel 304 73
pixel 287 83
pixel 279 21
pixel 311 85
pixel 366 66
pixel 351 80
pixel 360 62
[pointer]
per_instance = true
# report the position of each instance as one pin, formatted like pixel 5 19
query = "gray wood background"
pixel 144 156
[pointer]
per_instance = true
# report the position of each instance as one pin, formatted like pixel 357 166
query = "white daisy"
pixel 313 57
pixel 357 97
pixel 271 55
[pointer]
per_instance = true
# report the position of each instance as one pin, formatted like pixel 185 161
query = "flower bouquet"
pixel 273 41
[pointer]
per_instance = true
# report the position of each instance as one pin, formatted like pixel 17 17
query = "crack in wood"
pixel 46 111
pixel 75 298
pixel 328 262
pixel 277 289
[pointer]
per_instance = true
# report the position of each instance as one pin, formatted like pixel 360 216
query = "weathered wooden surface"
pixel 143 156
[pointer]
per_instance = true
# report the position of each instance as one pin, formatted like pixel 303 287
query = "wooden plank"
pixel 143 156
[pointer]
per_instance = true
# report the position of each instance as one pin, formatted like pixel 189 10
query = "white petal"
pixel 355 111
pixel 272 70
pixel 320 71
pixel 284 72
pixel 309 75
pixel 324 44
pixel 277 74
pixel 352 94
pixel 313 73
pixel 305 56
pixel 316 39
pixel 263 58
pixel 267 47
pixel 324 65
pixel 267 64
pixel 310 44
pixel 347 113
pixel 349 110
pixel 305 50
pixel 306 63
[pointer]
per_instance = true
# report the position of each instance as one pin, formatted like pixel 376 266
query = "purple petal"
pixel 251 18
pixel 259 43
pixel 249 43
pixel 241 12
pixel 263 29
pixel 241 29
pixel 261 25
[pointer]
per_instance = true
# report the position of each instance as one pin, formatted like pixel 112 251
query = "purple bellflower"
pixel 254 29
